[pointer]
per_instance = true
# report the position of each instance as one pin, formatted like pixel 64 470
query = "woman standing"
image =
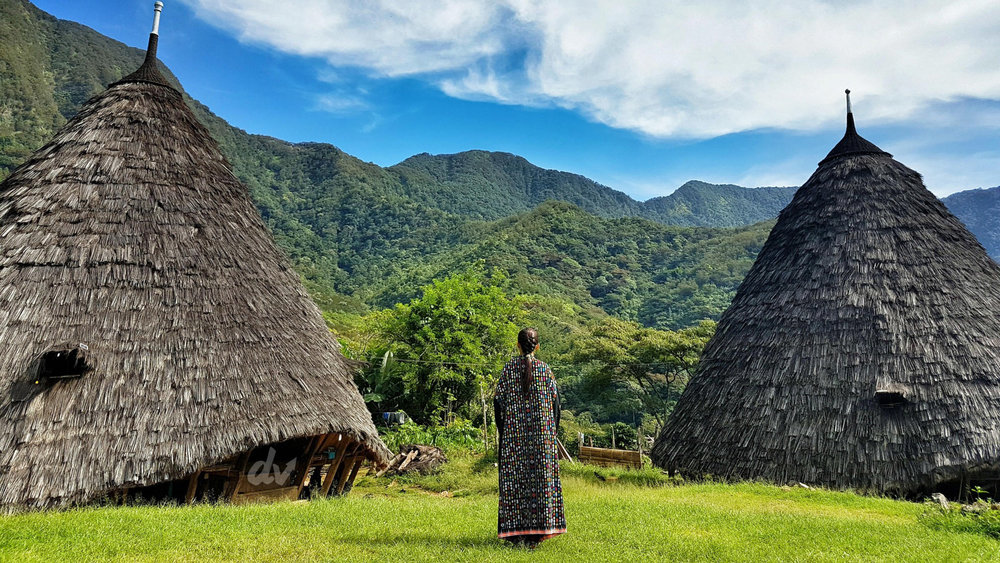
pixel 527 414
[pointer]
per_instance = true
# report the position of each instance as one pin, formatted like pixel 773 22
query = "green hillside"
pixel 660 275
pixel 48 67
pixel 713 205
pixel 493 185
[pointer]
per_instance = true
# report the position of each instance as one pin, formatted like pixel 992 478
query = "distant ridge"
pixel 700 204
pixel 492 185
pixel 980 211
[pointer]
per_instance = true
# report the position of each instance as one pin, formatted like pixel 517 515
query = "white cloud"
pixel 945 175
pixel 676 69
pixel 391 38
pixel 340 104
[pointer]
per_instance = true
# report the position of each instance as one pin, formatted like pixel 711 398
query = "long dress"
pixel 531 502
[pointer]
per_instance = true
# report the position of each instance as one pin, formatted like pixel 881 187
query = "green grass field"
pixel 452 517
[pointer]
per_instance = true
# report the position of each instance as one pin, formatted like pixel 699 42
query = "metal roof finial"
pixel 157 8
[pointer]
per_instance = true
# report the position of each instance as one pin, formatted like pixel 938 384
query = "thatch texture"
pixel 868 290
pixel 128 233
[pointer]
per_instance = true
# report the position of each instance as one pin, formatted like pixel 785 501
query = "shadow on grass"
pixel 424 542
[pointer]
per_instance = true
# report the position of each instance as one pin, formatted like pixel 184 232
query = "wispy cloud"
pixel 694 70
pixel 339 104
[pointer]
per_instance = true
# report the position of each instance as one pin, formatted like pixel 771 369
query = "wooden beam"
pixel 607 457
pixel 242 465
pixel 192 487
pixel 281 493
pixel 392 463
pixel 335 465
pixel 563 452
pixel 409 457
pixel 354 472
pixel 346 467
pixel 314 446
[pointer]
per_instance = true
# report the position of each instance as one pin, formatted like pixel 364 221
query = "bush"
pixel 571 426
pixel 460 434
pixel 980 517
pixel 648 476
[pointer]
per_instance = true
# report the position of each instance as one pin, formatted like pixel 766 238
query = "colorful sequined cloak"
pixel 531 502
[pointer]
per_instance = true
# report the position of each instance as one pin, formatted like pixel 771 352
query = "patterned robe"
pixel 531 503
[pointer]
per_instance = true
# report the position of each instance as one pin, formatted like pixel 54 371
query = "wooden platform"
pixel 281 471
pixel 606 457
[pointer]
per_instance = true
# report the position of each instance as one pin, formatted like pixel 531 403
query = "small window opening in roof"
pixel 889 399
pixel 64 363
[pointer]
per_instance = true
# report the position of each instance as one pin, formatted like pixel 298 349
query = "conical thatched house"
pixel 153 339
pixel 861 351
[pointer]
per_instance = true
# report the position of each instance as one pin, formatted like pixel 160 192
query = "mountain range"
pixel 980 211
pixel 366 236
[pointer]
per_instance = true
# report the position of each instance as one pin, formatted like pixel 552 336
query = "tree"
pixel 448 346
pixel 648 366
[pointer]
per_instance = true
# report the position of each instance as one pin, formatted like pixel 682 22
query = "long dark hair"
pixel 527 339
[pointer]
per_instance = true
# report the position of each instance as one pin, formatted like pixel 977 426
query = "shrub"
pixel 460 434
pixel 981 517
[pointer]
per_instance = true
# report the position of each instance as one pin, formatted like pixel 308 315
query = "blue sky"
pixel 638 95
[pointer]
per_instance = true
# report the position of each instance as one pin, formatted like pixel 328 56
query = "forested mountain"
pixel 717 205
pixel 48 67
pixel 492 185
pixel 980 211
pixel 660 275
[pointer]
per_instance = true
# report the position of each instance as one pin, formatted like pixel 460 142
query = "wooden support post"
pixel 241 466
pixel 335 465
pixel 192 487
pixel 345 470
pixel 311 451
pixel 354 472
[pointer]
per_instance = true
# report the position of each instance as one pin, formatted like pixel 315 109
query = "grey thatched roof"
pixel 861 351
pixel 128 234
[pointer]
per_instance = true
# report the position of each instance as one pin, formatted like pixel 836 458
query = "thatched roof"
pixel 861 351
pixel 127 243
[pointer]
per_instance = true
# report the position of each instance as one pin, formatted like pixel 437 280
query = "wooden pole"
pixel 392 463
pixel 242 476
pixel 409 457
pixel 354 473
pixel 192 487
pixel 314 447
pixel 335 465
pixel 563 452
pixel 345 468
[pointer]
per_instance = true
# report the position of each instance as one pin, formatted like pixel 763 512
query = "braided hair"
pixel 527 340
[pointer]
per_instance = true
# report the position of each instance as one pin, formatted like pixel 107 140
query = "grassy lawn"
pixel 452 517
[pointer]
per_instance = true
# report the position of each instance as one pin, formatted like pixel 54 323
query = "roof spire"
pixel 149 72
pixel 852 143
pixel 157 8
